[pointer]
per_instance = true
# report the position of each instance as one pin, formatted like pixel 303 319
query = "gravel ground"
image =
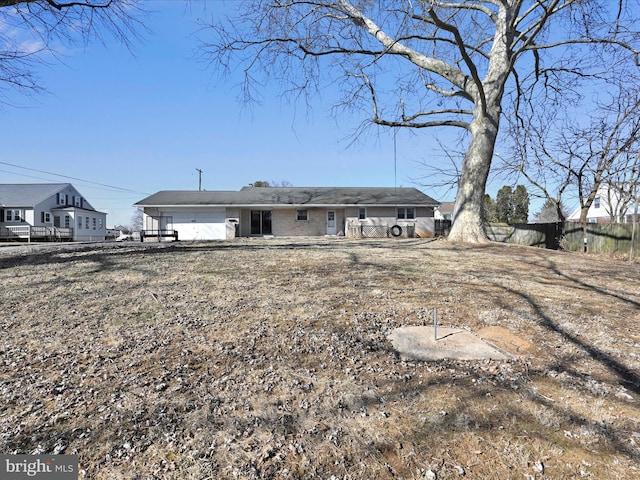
pixel 270 359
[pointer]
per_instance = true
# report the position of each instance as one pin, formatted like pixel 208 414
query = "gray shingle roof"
pixel 27 194
pixel 291 196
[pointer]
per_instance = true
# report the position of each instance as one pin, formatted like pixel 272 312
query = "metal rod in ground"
pixel 435 324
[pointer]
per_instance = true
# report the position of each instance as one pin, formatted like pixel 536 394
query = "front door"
pixel 331 222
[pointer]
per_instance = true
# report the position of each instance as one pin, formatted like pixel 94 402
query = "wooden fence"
pixel 607 238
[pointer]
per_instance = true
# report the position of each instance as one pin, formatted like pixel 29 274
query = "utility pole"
pixel 199 179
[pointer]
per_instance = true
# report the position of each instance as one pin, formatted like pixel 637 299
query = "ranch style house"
pixel 48 212
pixel 288 211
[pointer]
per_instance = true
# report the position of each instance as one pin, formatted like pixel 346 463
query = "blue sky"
pixel 145 122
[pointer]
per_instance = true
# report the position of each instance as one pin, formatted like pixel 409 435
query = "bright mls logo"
pixel 49 467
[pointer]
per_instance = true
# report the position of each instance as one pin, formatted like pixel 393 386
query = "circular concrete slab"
pixel 418 343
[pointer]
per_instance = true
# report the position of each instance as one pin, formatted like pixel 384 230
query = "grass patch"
pixel 269 359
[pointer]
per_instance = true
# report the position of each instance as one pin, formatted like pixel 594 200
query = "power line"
pixel 72 178
pixel 49 180
pixel 24 175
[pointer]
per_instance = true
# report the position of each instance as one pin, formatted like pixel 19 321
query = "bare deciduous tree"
pixel 537 147
pixel 560 155
pixel 137 220
pixel 623 179
pixel 548 213
pixel 420 64
pixel 30 29
pixel 603 146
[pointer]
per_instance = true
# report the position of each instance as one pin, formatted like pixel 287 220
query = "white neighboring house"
pixel 48 212
pixel 288 211
pixel 444 211
pixel 611 205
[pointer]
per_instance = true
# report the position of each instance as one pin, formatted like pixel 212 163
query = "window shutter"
pixel 42 217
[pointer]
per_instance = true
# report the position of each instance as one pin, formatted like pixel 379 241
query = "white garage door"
pixel 200 225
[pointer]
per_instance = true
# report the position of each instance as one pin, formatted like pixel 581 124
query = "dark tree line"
pixel 510 206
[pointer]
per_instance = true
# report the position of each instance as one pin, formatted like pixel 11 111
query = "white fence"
pixel 27 232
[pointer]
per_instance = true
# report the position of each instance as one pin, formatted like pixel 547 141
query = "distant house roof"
pixel 28 194
pixel 291 196
pixel 446 208
pixel 25 195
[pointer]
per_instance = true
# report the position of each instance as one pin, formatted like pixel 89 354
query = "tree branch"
pixel 470 65
pixel 410 121
pixel 58 5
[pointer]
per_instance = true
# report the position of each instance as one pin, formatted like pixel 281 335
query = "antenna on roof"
pixel 199 179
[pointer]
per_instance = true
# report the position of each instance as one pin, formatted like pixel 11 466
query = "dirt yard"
pixel 270 359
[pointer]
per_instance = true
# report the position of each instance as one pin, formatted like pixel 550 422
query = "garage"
pixel 206 224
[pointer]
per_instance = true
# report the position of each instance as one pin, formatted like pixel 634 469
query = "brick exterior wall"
pixel 387 216
pixel 285 222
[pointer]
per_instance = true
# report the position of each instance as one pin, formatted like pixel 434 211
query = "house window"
pixel 596 202
pixel 80 223
pixel 67 221
pixel 302 215
pixel 100 225
pixel 95 223
pixel 362 214
pixel 13 215
pixel 46 217
pixel 62 199
pixel 77 201
pixel 408 213
pixel 86 222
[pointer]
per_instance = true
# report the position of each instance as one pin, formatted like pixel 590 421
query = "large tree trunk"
pixel 468 223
